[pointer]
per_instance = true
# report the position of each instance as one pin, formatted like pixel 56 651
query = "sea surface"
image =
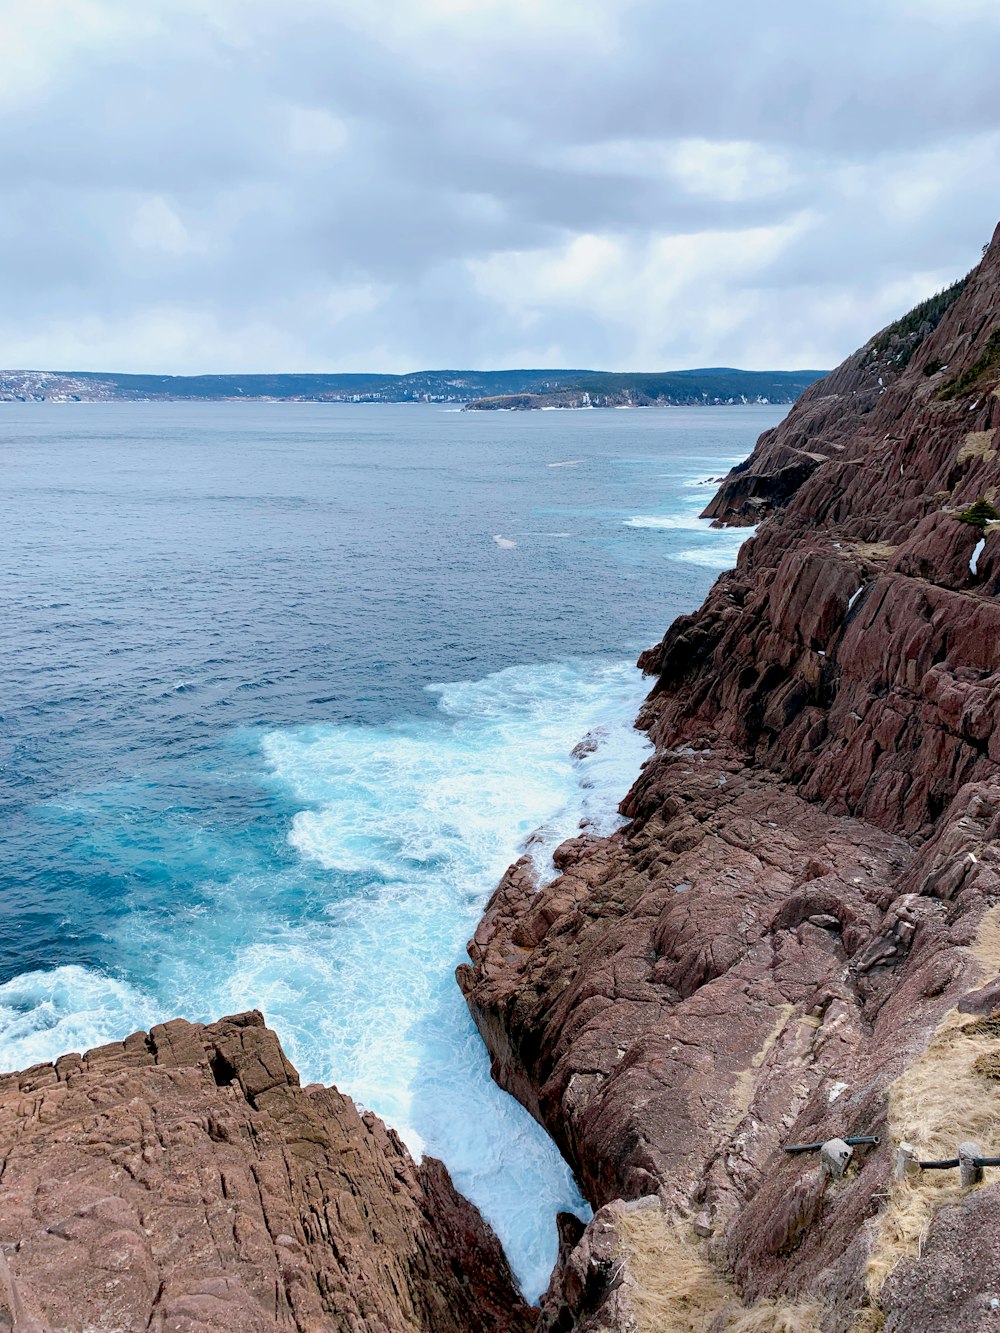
pixel 283 690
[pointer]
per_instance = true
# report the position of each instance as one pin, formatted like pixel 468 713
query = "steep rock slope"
pixel 181 1180
pixel 779 945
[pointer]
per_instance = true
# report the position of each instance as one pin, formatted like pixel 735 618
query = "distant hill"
pixel 676 388
pixel 479 388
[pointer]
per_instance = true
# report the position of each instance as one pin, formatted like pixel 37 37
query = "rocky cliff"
pixel 182 1181
pixel 795 938
pixel 797 935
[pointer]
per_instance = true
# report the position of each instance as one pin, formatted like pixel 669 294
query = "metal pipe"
pixel 956 1161
pixel 815 1147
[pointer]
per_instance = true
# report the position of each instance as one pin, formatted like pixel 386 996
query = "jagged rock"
pixel 182 1181
pixel 799 901
pixel 955 1285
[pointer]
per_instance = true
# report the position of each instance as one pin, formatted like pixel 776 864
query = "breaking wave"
pixel 402 833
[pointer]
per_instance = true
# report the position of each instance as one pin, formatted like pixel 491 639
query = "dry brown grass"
pixel 977 444
pixel 770 1318
pixel 872 550
pixel 940 1100
pixel 743 1087
pixel 869 1320
pixel 988 1066
pixel 672 1287
pixel 988 1026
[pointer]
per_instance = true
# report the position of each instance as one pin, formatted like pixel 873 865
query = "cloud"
pixel 191 185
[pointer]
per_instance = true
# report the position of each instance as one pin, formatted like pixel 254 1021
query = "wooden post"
pixel 907 1165
pixel 971 1173
pixel 834 1157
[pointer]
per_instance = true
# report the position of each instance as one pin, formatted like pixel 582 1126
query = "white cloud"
pixel 313 132
pixel 318 184
pixel 732 172
pixel 156 226
pixel 670 299
pixel 729 172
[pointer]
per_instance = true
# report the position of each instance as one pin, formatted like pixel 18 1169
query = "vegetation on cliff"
pixel 899 340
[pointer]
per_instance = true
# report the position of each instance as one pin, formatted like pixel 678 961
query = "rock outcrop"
pixel 784 943
pixel 182 1181
pixel 795 938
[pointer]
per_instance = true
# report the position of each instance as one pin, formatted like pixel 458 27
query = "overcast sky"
pixel 250 185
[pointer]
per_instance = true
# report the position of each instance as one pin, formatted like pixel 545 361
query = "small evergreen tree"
pixel 979 514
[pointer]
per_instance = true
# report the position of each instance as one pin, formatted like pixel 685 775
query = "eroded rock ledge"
pixel 181 1180
pixel 786 941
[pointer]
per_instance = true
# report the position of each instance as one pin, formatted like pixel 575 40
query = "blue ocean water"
pixel 284 688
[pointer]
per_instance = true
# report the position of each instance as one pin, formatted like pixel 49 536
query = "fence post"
pixel 834 1157
pixel 970 1171
pixel 906 1162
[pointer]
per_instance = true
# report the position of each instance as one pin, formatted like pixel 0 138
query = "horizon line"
pixel 407 374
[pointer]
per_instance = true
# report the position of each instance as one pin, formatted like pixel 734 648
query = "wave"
pixel 46 1014
pixel 722 553
pixel 423 818
pixel 682 522
pixel 348 937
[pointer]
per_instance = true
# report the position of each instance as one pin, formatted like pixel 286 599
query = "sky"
pixel 393 185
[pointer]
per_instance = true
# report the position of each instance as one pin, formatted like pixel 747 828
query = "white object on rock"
pixel 835 1157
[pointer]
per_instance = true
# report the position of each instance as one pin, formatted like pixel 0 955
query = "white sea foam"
pixel 47 1014
pixel 721 552
pixel 409 827
pixel 720 546
pixel 427 816
pixel 670 522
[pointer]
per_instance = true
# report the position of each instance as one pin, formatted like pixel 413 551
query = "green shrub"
pixel 905 336
pixel 979 514
pixel 988 361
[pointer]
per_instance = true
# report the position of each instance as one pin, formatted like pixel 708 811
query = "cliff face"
pixel 787 941
pixel 796 937
pixel 182 1180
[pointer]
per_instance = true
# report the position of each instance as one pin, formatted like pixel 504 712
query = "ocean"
pixel 284 688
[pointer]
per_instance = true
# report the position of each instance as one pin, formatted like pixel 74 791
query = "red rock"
pixel 183 1181
pixel 777 933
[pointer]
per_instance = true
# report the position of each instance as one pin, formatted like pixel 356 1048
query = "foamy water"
pixel 227 780
pixel 411 827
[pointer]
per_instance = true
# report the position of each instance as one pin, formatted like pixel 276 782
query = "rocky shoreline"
pixel 786 942
pixel 795 938
pixel 182 1181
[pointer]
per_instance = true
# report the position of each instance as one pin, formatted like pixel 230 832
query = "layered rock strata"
pixel 786 941
pixel 181 1180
